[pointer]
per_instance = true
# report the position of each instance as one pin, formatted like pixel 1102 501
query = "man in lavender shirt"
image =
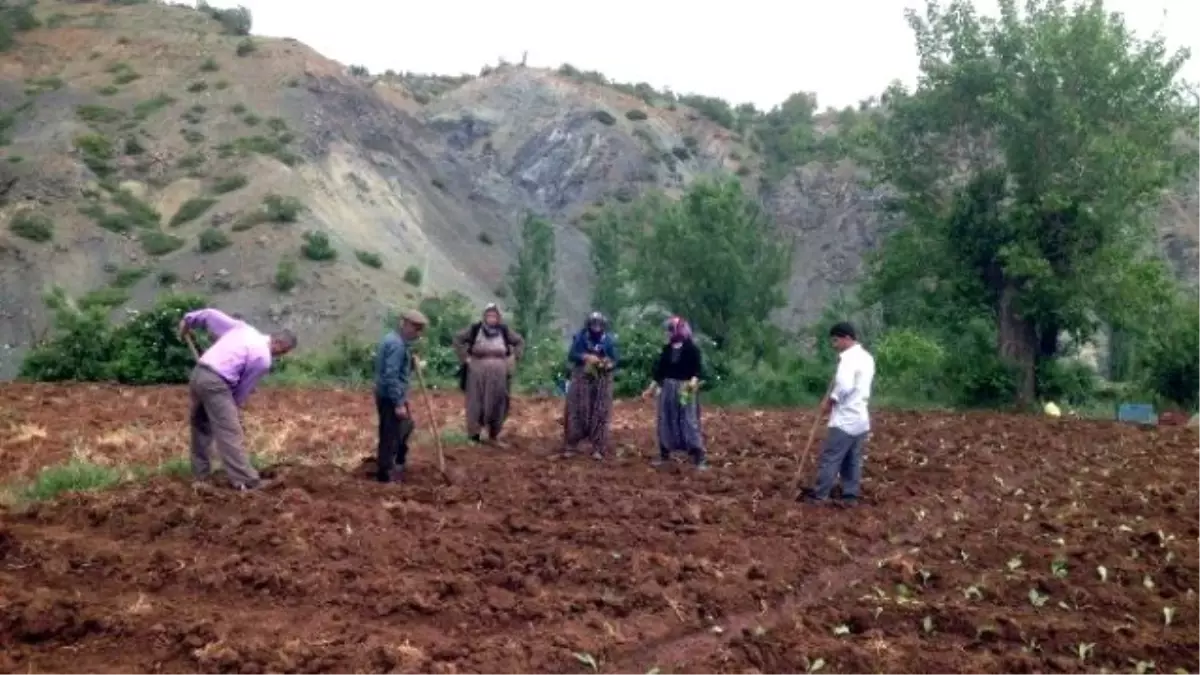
pixel 221 382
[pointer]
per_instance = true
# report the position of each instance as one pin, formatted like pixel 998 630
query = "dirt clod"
pixel 1023 546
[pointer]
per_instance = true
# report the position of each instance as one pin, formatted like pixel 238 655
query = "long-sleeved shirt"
pixel 391 368
pixel 240 356
pixel 585 343
pixel 682 363
pixel 852 391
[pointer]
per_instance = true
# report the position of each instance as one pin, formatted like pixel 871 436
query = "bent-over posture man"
pixel 849 420
pixel 488 351
pixel 393 361
pixel 221 383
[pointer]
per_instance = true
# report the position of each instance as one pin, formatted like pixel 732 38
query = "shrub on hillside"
pixel 85 346
pixel 636 115
pixel 234 21
pixel 604 117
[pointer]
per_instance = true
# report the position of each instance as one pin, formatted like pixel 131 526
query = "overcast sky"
pixel 750 50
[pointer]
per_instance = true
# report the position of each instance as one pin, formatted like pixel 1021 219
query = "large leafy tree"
pixel 714 257
pixel 531 278
pixel 1026 163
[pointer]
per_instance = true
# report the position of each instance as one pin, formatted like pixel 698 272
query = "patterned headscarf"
pixel 491 331
pixel 678 329
pixel 595 317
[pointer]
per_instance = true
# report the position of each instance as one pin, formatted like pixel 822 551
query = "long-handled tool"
pixel 436 428
pixel 813 431
pixel 192 346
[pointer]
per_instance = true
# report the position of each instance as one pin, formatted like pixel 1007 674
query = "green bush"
pixel 32 226
pixel 636 115
pixel 412 275
pixel 191 210
pixel 369 259
pixel 158 243
pixel 103 298
pixel 234 21
pixel 212 240
pixel 604 117
pixel 85 346
pixel 909 365
pixel 1170 359
pixel 230 183
pixel 286 275
pixel 1067 381
pixel 316 246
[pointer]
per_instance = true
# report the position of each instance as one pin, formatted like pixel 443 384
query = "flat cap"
pixel 415 318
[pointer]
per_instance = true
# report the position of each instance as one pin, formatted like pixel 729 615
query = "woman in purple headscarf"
pixel 677 376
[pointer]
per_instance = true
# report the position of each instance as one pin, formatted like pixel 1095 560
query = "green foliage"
pixel 74 476
pixel 359 71
pixel 1042 242
pixel 97 151
pixel 531 278
pixel 212 240
pixel 209 65
pixel 128 277
pixel 246 47
pixel 609 253
pixel 275 209
pixel 159 243
pixel 370 259
pixel 191 210
pixel 1170 358
pixel 103 298
pixel 86 347
pixel 33 226
pixel 604 117
pixel 145 109
pixel 142 214
pixel 636 115
pixel 230 183
pixel 263 145
pixel 98 114
pixel 413 276
pixel 715 258
pixel 715 109
pixel 316 246
pixel 286 275
pixel 15 17
pixel 910 363
pixel 234 21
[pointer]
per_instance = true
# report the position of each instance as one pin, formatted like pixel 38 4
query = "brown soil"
pixel 535 564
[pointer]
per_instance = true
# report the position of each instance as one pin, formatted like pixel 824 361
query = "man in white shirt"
pixel 849 421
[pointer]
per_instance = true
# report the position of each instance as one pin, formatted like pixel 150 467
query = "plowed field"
pixel 986 543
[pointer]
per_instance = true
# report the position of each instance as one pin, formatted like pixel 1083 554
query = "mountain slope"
pixel 161 151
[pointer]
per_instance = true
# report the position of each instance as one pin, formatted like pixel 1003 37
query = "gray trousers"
pixel 841 454
pixel 214 418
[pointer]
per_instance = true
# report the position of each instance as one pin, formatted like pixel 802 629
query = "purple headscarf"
pixel 678 329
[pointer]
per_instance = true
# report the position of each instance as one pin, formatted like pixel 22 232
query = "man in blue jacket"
pixel 393 362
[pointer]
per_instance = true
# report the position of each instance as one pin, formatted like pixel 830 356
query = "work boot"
pixel 598 456
pixel 474 438
pixel 702 465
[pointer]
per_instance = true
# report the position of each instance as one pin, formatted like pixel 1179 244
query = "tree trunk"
pixel 1019 345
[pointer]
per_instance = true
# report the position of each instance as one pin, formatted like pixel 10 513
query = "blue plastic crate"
pixel 1137 413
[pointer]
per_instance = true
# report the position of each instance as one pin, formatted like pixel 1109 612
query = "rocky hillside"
pixel 145 146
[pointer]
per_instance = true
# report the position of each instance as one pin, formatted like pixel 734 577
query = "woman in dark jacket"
pixel 593 357
pixel 677 376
